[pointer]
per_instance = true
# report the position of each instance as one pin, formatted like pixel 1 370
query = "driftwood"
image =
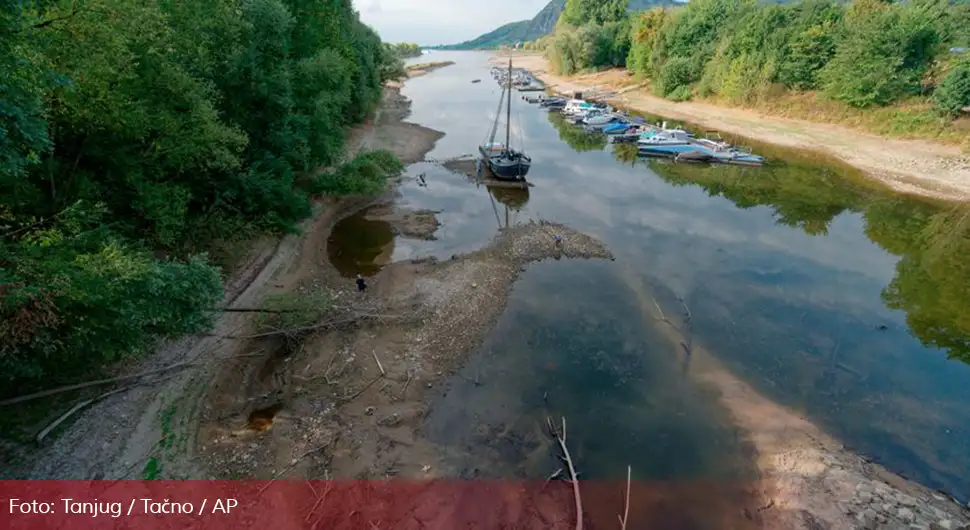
pixel 347 399
pixel 383 373
pixel 61 390
pixel 626 509
pixel 73 410
pixel 296 461
pixel 561 438
pixel 316 327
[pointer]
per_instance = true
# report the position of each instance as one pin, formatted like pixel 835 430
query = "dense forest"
pixel 864 54
pixel 134 135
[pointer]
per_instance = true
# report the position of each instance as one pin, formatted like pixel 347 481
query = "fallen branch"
pixel 320 498
pixel 293 464
pixel 379 363
pixel 315 327
pixel 347 399
pixel 406 383
pixel 626 509
pixel 248 310
pixel 61 390
pixel 561 438
pixel 73 410
pixel 686 309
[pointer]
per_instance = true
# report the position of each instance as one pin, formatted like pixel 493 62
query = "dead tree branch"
pixel 61 390
pixel 626 509
pixel 73 410
pixel 561 438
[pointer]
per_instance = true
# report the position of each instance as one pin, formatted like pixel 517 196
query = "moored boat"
pixel 504 162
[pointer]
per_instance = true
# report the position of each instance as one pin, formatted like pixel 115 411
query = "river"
pixel 828 294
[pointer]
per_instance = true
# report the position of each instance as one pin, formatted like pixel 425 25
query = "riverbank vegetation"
pixel 133 135
pixel 404 50
pixel 893 68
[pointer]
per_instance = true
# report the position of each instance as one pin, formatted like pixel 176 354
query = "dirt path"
pixel 907 166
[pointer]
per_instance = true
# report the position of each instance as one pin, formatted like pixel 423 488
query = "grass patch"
pixel 914 118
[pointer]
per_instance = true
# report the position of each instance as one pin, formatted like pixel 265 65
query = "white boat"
pixel 574 106
pixel 601 118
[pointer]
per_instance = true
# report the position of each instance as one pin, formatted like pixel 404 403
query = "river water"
pixel 826 293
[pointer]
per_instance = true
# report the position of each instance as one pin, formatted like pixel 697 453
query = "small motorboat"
pixel 476 80
pixel 600 119
pixel 617 127
pixel 663 142
pixel 694 156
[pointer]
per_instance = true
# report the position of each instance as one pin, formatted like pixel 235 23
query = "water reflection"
pixel 576 136
pixel 823 291
pixel 359 245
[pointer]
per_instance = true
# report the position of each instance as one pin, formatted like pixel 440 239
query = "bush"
pixel 676 73
pixel 366 174
pixel 953 94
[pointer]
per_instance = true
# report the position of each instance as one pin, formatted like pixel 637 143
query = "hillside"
pixel 540 25
pixel 523 30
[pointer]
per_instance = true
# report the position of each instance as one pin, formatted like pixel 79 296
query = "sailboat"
pixel 504 162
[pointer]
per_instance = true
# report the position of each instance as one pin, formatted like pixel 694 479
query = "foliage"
pixel 131 130
pixel 403 50
pixel 953 94
pixel 366 174
pixel 590 34
pixel 867 53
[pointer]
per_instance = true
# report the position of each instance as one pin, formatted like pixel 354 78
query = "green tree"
pixel 953 94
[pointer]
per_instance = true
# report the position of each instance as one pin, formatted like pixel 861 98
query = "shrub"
pixel 953 93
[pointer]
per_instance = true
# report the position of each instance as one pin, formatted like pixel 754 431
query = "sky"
pixel 432 22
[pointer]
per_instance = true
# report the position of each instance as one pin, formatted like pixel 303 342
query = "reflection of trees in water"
pixel 358 245
pixel 514 198
pixel 626 153
pixel 575 136
pixel 932 282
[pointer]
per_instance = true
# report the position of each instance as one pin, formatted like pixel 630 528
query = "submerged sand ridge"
pixel 809 480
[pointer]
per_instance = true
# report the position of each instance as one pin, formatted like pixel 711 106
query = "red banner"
pixel 368 505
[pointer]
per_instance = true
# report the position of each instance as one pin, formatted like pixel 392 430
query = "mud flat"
pixel 918 167
pixel 350 399
pixel 416 224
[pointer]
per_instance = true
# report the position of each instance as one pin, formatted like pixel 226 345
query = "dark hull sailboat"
pixel 502 161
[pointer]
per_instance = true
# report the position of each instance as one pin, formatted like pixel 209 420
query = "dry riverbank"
pixel 418 70
pixel 907 166
pixel 149 430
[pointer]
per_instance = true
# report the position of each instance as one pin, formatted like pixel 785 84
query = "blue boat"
pixel 616 127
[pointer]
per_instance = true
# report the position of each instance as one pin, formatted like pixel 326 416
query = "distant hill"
pixel 541 25
pixel 523 30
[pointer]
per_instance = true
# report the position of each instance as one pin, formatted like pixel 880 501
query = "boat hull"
pixel 512 166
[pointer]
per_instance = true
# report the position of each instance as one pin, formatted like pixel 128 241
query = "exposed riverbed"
pixel 733 330
pixel 786 269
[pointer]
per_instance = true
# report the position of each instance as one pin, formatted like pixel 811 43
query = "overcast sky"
pixel 431 22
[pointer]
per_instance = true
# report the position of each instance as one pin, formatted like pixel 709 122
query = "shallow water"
pixel 824 292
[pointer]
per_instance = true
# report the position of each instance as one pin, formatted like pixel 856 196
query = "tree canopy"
pixel 133 134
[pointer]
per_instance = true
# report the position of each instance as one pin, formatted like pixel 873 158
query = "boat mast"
pixel 508 111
